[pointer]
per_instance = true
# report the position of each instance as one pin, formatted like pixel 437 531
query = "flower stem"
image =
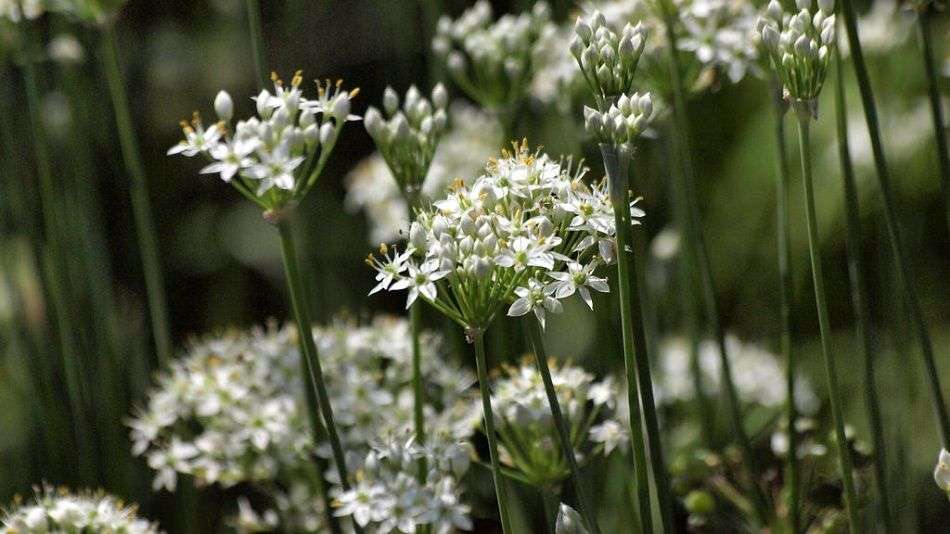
pixel 550 506
pixel 862 322
pixel 696 246
pixel 560 422
pixel 635 355
pixel 834 390
pixel 483 386
pixel 785 305
pixel 911 301
pixel 418 388
pixel 933 92
pixel 308 348
pixel 141 209
pixel 257 40
pixel 54 259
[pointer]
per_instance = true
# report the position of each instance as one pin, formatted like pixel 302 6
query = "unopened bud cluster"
pixel 800 45
pixel 407 137
pixel 607 60
pixel 493 62
pixel 622 122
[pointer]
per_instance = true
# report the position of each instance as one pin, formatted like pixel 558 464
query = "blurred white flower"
pixel 942 471
pixel 57 510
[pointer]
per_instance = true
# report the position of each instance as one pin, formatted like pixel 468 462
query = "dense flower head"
pixel 407 138
pixel 621 123
pixel 493 62
pixel 273 159
pixel 58 510
pixel 607 59
pixel 527 233
pixel 388 497
pixel 232 410
pixel 473 136
pixel 800 45
pixel 528 438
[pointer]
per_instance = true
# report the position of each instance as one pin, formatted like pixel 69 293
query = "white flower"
pixel 197 139
pixel 230 158
pixel 579 278
pixel 420 280
pixel 367 501
pixel 390 269
pixel 800 45
pixel 58 510
pixel 942 471
pixel 276 169
pixel 611 434
pixel 534 298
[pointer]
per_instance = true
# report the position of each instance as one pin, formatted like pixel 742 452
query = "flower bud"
pixel 770 37
pixel 327 133
pixel 399 128
pixel 224 106
pixel 426 126
pixel 589 57
pixel 513 68
pixel 440 96
pixel 456 64
pixel 373 121
pixel 803 4
pixel 803 46
pixel 440 120
pixel 582 29
pixel 263 105
pixel 341 108
pixel 826 6
pixel 413 96
pixel 417 236
pixel 646 105
pixel 774 11
pixel 390 101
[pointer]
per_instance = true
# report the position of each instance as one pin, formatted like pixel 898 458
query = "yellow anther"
pixel 383 249
pixel 355 91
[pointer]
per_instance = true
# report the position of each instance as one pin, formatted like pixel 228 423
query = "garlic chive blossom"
pixel 607 60
pixel 800 47
pixel 275 158
pixel 407 137
pixel 521 237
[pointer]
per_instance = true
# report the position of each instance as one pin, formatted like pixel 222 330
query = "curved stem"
pixel 141 208
pixel 635 355
pixel 862 323
pixel 696 246
pixel 483 386
pixel 785 305
pixel 834 390
pixel 933 94
pixel 560 422
pixel 257 41
pixel 912 303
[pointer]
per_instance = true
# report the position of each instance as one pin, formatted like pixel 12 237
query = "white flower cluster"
pixel 57 510
pixel 621 123
pixel 493 62
pixel 232 409
pixel 526 233
pixel 761 380
pixel 388 497
pixel 275 158
pixel 407 138
pixel 720 35
pixel 472 138
pixel 800 45
pixel 607 60
pixel 529 441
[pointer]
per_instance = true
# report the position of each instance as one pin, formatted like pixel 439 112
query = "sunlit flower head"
pixel 58 510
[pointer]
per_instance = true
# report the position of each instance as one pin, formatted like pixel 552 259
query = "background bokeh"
pixel 222 265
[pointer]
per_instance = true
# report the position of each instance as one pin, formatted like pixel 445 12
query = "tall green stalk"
pixel 257 40
pixel 308 349
pixel 914 311
pixel 141 206
pixel 54 259
pixel 834 389
pixel 862 322
pixel 635 355
pixel 478 339
pixel 560 422
pixel 924 32
pixel 696 246
pixel 785 305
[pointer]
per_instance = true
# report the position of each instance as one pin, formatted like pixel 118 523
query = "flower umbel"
pixel 57 510
pixel 607 60
pixel 800 45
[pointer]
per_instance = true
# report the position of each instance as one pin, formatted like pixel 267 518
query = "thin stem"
pixel 785 305
pixel 560 422
pixel 635 356
pixel 500 492
pixel 906 280
pixel 141 208
pixel 55 261
pixel 257 41
pixel 834 390
pixel 862 322
pixel 696 246
pixel 309 349
pixel 933 92
pixel 418 388
pixel 550 506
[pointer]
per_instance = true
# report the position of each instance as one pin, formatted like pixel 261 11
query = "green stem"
pixel 906 280
pixel 257 41
pixel 550 507
pixel 862 323
pixel 933 93
pixel 785 305
pixel 834 390
pixel 141 208
pixel 560 422
pixel 483 386
pixel 635 355
pixel 696 246
pixel 308 349
pixel 55 260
